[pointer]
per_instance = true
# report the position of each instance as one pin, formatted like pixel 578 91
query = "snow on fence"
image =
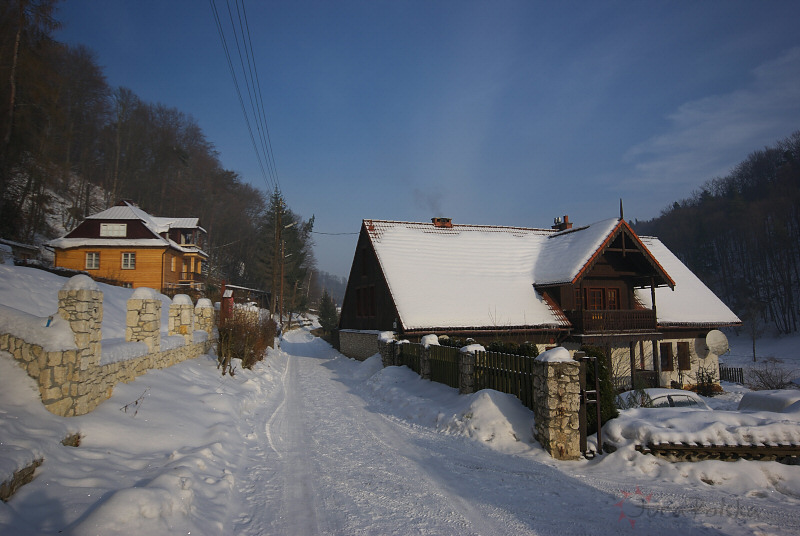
pixel 549 386
pixel 64 353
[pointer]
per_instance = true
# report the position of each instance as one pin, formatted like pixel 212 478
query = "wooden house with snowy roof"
pixel 598 284
pixel 126 245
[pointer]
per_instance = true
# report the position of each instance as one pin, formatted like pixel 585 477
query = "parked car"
pixel 660 398
pixel 778 400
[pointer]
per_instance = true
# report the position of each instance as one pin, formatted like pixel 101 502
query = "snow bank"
pixel 115 350
pixel 80 282
pixel 472 348
pixel 51 333
pixel 773 400
pixel 204 302
pixel 686 425
pixel 555 355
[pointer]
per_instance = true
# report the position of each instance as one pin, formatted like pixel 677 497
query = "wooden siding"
pixel 366 273
pixel 148 272
pixel 91 229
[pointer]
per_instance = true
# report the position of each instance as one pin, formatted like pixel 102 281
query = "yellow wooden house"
pixel 128 246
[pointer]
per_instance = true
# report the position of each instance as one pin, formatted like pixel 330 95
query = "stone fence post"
pixel 143 321
pixel 80 302
pixel 387 349
pixel 556 391
pixel 204 315
pixel 181 317
pixel 425 362
pixel 466 368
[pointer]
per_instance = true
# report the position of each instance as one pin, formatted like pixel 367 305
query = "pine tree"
pixel 328 317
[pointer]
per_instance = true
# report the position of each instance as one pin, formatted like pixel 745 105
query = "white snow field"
pixel 311 442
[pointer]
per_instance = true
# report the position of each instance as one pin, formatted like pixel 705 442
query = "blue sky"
pixel 499 113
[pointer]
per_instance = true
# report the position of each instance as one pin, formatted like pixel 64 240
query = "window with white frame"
pixel 118 230
pixel 129 261
pixel 92 260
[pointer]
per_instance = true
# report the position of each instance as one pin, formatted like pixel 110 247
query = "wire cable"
pixel 263 153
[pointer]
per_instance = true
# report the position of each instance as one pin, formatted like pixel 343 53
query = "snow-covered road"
pixel 322 458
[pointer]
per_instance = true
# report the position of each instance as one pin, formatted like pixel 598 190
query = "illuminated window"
pixel 612 301
pixel 129 261
pixel 117 230
pixel 595 299
pixel 92 260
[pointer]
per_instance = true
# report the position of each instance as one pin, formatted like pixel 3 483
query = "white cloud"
pixel 708 136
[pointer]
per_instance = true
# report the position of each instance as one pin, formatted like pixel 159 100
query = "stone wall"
pixel 358 344
pixel 72 381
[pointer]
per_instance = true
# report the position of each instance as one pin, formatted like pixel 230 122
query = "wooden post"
pixel 632 355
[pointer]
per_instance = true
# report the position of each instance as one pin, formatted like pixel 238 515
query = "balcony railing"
pixel 612 321
pixel 191 277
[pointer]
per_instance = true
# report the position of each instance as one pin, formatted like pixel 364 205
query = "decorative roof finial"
pixel 621 212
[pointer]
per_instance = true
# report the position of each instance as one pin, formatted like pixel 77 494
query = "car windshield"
pixel 683 401
pixel 659 402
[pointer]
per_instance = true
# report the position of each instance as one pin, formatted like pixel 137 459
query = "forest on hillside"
pixel 71 145
pixel 741 235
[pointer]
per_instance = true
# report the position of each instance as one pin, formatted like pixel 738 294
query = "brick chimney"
pixel 562 224
pixel 445 223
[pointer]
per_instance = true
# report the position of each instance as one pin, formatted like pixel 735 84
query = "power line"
pixel 263 150
pixel 333 234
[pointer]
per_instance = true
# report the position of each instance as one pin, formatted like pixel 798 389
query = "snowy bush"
pixel 770 374
pixel 245 337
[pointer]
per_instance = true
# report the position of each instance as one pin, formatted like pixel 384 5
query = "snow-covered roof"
pixel 466 276
pixel 567 252
pixel 128 211
pixel 691 302
pixel 483 277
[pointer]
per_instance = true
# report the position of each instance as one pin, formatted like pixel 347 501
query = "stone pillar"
pixel 181 317
pixel 204 315
pixel 466 370
pixel 80 302
pixel 425 362
pixel 143 321
pixel 387 350
pixel 556 388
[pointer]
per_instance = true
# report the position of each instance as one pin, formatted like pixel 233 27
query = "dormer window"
pixel 115 230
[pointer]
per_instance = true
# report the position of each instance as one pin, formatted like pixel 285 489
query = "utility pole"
pixel 278 228
pixel 282 263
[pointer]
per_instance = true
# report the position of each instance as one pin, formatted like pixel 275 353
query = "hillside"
pixel 741 235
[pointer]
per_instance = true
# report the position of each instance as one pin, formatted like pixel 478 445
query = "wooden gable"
pixel 368 302
pixel 623 255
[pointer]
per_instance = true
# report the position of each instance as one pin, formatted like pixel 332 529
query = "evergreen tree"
pixel 608 394
pixel 328 317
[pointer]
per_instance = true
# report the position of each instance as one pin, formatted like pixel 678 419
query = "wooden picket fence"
pixel 731 374
pixel 507 373
pixel 444 365
pixel 409 355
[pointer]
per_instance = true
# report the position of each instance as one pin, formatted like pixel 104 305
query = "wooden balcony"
pixel 191 277
pixel 612 321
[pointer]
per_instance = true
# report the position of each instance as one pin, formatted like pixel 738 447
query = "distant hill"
pixel 741 235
